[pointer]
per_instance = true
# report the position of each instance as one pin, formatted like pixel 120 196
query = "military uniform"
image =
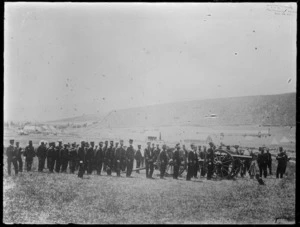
pixel 138 158
pixel 51 156
pixel 73 159
pixel 196 164
pixel 104 153
pixel 99 159
pixel 19 151
pixel 41 154
pixel 191 161
pixel 282 159
pixel 118 160
pixel 90 159
pixel 57 157
pixel 129 158
pixel 269 163
pixel 11 154
pixel 29 154
pixel 149 160
pixel 176 161
pixel 262 161
pixel 81 159
pixel 202 156
pixel 64 157
pixel 109 156
pixel 210 162
pixel 163 158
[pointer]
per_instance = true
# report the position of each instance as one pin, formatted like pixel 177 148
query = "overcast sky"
pixel 63 60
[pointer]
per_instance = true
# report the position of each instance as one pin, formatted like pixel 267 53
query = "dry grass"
pixel 64 198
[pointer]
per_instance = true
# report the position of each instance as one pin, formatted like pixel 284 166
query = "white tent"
pixel 274 142
pixel 284 140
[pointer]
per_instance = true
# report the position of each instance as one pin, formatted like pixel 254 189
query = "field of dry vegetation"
pixel 64 198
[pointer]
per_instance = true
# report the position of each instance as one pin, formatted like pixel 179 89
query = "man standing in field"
pixel 202 156
pixel 73 158
pixel 138 158
pixel 196 162
pixel 269 162
pixel 210 160
pixel 51 156
pixel 156 153
pixel 99 158
pixel 118 158
pixel 41 154
pixel 191 163
pixel 109 158
pixel 149 156
pixel 81 158
pixel 19 157
pixel 163 157
pixel 262 161
pixel 176 161
pixel 64 155
pixel 90 158
pixel 130 158
pixel 11 153
pixel 282 159
pixel 104 153
pixel 57 156
pixel 29 154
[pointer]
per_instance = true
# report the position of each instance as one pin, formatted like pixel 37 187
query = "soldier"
pixel 176 161
pixel 129 158
pixel 157 151
pixel 29 154
pixel 262 161
pixel 123 157
pixel 90 158
pixel 51 156
pixel 196 163
pixel 254 169
pixel 99 158
pixel 269 161
pixel 202 157
pixel 138 158
pixel 286 161
pixel 81 158
pixel 118 158
pixel 210 160
pixel 64 157
pixel 104 153
pixel 149 160
pixel 73 158
pixel 41 154
pixel 191 162
pixel 281 158
pixel 57 156
pixel 163 158
pixel 109 158
pixel 11 153
pixel 19 157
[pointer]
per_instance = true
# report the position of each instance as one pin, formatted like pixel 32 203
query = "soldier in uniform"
pixel 196 163
pixel 109 158
pixel 269 162
pixel 210 160
pixel 99 158
pixel 156 153
pixel 163 158
pixel 118 158
pixel 81 158
pixel 202 156
pixel 19 157
pixel 286 161
pixel 11 153
pixel 90 158
pixel 281 158
pixel 191 163
pixel 129 158
pixel 138 158
pixel 149 160
pixel 64 155
pixel 41 154
pixel 176 161
pixel 262 161
pixel 73 158
pixel 51 156
pixel 104 153
pixel 57 156
pixel 29 154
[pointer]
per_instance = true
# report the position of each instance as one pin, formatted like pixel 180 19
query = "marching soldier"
pixel 269 162
pixel 149 160
pixel 262 161
pixel 64 155
pixel 138 158
pixel 176 161
pixel 129 158
pixel 99 158
pixel 41 154
pixel 281 158
pixel 73 158
pixel 81 158
pixel 109 158
pixel 29 154
pixel 90 158
pixel 11 153
pixel 19 157
pixel 57 156
pixel 210 160
pixel 163 157
pixel 51 156
pixel 118 158
pixel 104 153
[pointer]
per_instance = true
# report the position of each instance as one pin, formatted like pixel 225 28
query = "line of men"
pixel 89 158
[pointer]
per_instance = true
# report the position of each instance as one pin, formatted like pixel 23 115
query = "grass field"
pixel 64 198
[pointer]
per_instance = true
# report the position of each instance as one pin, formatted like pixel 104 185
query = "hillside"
pixel 275 110
pixel 80 119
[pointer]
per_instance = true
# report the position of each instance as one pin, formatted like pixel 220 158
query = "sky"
pixel 68 59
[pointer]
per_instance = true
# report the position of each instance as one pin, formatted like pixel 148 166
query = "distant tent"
pixel 274 142
pixel 284 140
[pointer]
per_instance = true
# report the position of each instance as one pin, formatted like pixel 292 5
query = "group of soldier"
pixel 88 158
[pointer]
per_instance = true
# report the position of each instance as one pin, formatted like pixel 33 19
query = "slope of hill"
pixel 82 118
pixel 275 110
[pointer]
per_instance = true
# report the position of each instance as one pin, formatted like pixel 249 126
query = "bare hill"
pixel 274 110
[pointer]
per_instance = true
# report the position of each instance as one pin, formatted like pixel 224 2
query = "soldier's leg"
pixel 151 169
pixel 20 162
pixel 138 163
pixel 265 170
pixel 147 169
pixel 260 170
